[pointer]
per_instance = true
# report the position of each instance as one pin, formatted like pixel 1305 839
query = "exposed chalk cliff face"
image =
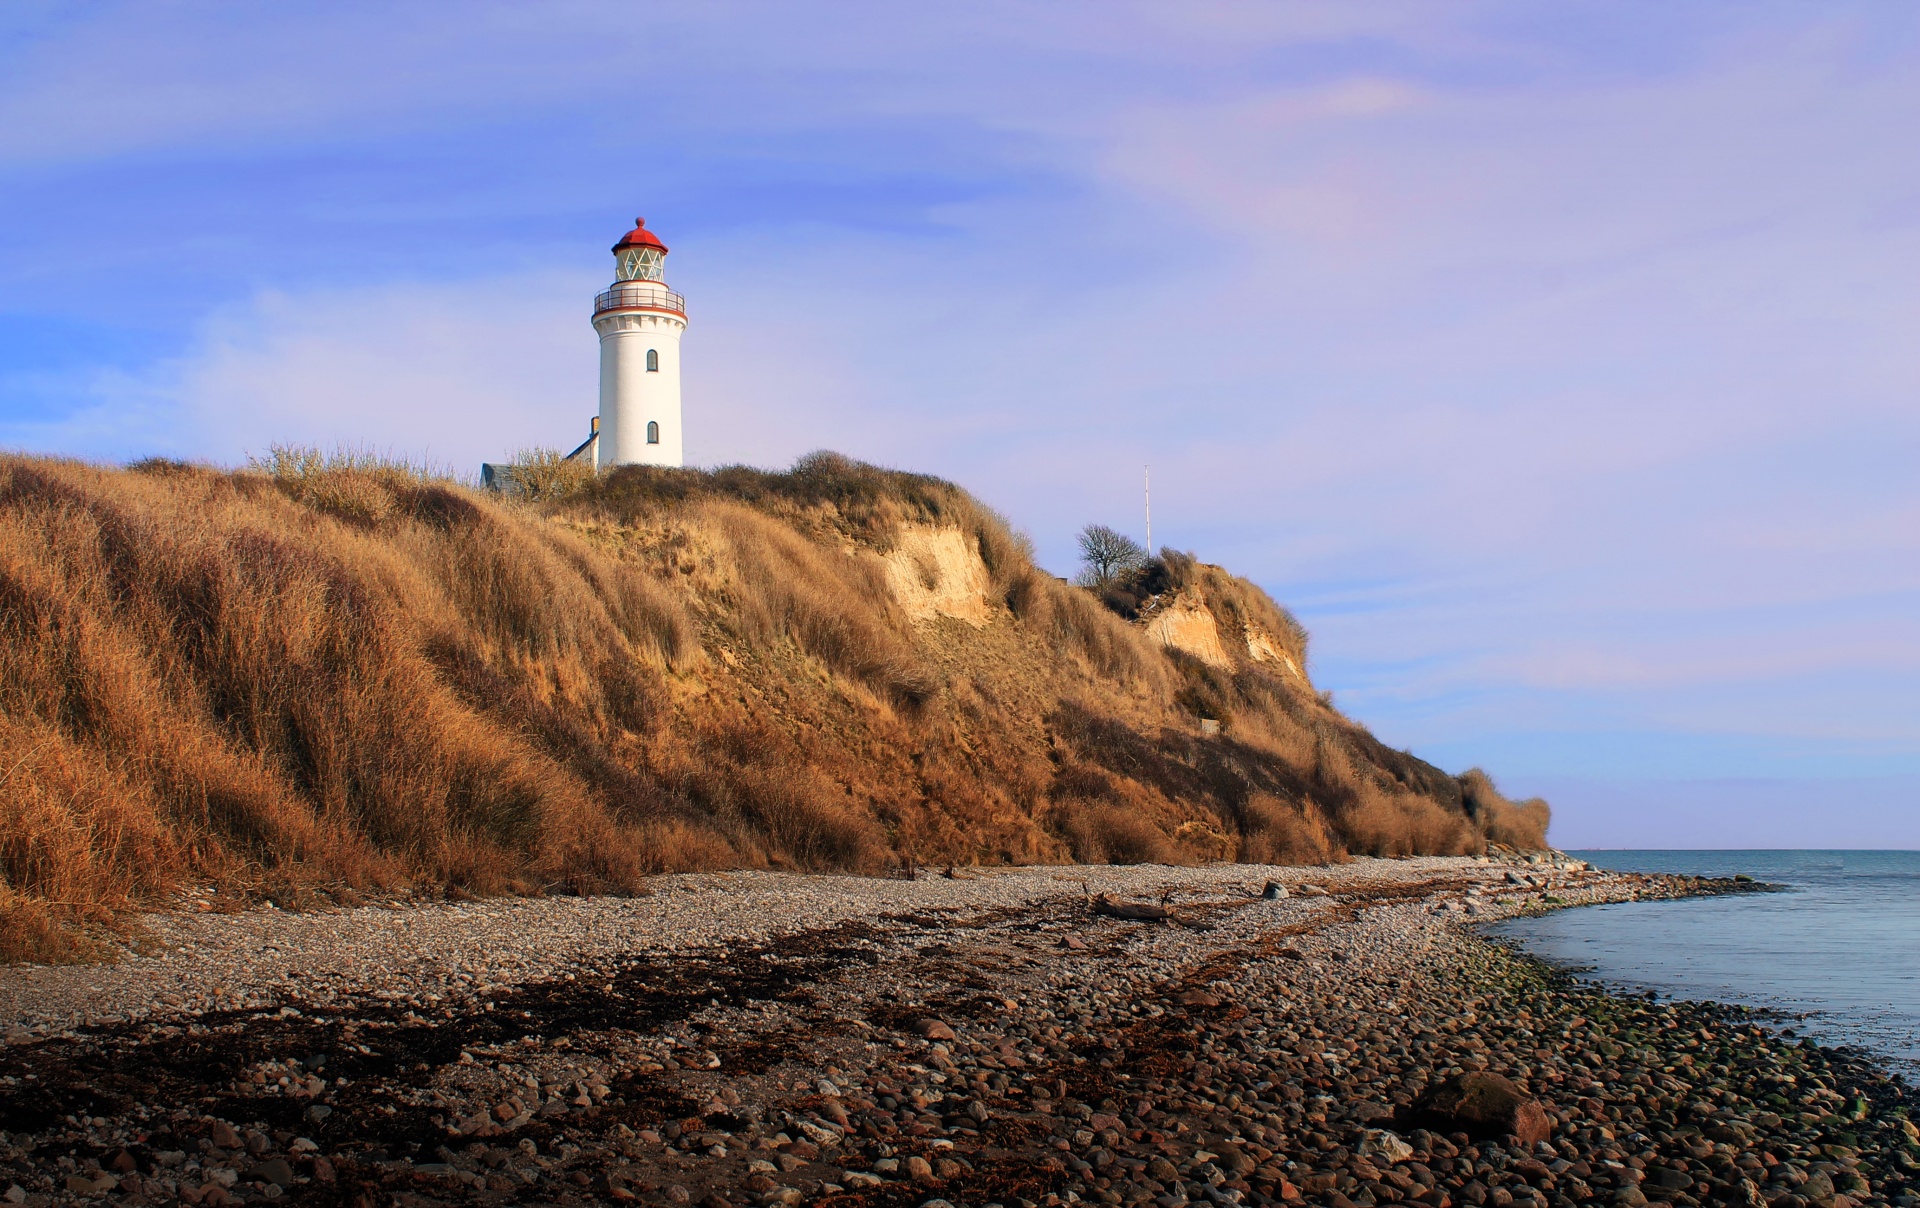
pixel 937 572
pixel 1208 614
pixel 1265 648
pixel 1188 625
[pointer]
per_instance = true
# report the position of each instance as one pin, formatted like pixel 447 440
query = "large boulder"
pixel 1482 1105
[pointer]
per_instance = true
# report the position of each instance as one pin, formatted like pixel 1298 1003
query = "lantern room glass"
pixel 640 264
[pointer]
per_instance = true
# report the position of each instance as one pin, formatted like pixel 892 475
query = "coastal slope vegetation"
pixel 325 676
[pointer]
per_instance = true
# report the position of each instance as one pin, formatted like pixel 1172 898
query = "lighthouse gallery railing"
pixel 633 296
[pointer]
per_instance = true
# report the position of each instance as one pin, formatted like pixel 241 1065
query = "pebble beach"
pixel 1331 1036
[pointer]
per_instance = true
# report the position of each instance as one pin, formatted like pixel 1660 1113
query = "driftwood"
pixel 1144 912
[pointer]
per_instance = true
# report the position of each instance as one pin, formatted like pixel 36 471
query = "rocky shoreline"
pixel 1285 1035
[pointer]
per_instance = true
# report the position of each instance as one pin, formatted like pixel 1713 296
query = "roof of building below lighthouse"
pixel 640 236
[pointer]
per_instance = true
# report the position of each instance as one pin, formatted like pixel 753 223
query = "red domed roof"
pixel 640 236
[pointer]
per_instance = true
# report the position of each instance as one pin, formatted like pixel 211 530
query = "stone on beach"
pixel 1380 1143
pixel 1482 1105
pixel 275 1170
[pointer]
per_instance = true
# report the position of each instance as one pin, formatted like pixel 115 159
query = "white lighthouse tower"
pixel 639 320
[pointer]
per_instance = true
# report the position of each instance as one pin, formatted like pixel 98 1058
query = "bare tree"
pixel 1105 554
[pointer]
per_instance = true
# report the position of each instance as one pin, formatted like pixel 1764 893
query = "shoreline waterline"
pixel 1834 954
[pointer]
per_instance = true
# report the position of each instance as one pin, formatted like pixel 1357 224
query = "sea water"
pixel 1838 947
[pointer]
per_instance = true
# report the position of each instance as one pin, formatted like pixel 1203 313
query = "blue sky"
pixel 1558 363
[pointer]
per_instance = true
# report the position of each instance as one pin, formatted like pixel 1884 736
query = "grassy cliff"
pixel 320 677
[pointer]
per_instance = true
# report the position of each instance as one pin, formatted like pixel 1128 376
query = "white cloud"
pixel 450 373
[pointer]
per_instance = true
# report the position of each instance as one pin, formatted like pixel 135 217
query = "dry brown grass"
pixel 1102 832
pixel 1077 624
pixel 342 672
pixel 543 475
pixel 1394 822
pixel 836 608
pixel 1277 831
pixel 217 675
pixel 1517 824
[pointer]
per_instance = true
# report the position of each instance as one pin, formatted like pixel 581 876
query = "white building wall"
pixel 630 396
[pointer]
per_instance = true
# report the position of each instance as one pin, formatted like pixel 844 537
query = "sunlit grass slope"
pixel 322 676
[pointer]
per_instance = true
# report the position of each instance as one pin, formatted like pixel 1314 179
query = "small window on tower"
pixel 653 425
pixel 653 360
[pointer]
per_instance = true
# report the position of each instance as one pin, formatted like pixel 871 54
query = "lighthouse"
pixel 639 321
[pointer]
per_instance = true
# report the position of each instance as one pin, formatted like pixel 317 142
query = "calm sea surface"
pixel 1840 945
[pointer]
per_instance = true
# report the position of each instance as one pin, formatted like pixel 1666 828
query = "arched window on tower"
pixel 653 431
pixel 653 360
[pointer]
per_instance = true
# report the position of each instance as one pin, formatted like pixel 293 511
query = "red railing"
pixel 636 295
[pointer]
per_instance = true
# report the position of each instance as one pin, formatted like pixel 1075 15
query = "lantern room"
pixel 639 256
